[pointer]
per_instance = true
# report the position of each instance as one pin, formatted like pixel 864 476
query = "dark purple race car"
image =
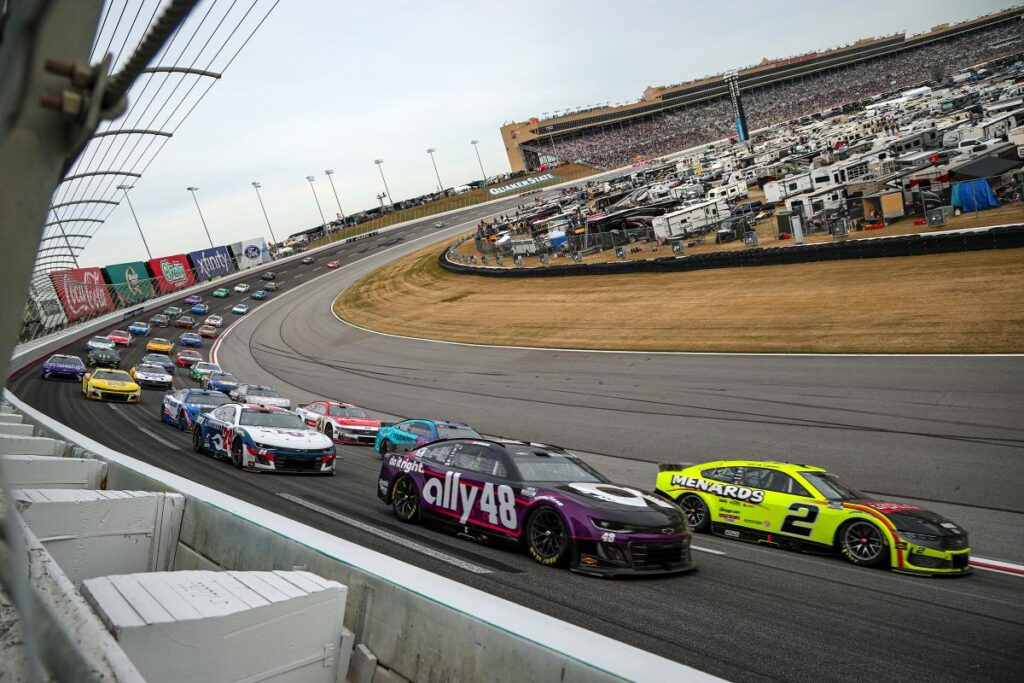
pixel 542 497
pixel 63 366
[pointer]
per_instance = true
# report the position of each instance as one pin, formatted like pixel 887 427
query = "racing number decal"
pixel 498 503
pixel 793 524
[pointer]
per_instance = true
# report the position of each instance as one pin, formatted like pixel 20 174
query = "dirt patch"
pixel 942 303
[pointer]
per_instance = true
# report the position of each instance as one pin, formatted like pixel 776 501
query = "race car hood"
pixel 274 401
pixel 153 376
pixel 274 437
pixel 356 422
pixel 113 385
pixel 913 518
pixel 616 502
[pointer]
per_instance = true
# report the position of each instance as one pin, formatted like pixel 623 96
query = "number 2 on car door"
pixel 801 522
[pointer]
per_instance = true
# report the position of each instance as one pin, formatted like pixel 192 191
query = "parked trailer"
pixel 690 219
pixel 736 190
pixel 778 190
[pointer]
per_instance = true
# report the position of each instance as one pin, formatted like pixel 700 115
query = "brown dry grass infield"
pixel 943 303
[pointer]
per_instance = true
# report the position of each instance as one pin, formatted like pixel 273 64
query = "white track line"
pixel 706 550
pixel 998 566
pixel 387 536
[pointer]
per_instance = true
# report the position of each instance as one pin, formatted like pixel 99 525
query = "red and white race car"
pixel 343 422
pixel 333 264
pixel 120 338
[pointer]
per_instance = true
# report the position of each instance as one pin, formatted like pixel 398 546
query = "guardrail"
pixel 975 239
pixel 418 624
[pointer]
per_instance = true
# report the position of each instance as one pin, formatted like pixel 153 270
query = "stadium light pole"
pixel 477 150
pixel 440 185
pixel 380 168
pixel 344 221
pixel 196 200
pixel 323 221
pixel 125 188
pixel 257 187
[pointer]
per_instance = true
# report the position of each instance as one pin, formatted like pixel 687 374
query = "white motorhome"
pixel 777 190
pixel 690 219
pixel 994 127
pixel 816 201
pixel 732 190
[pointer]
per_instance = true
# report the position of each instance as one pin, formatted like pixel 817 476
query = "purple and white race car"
pixel 546 499
pixel 64 366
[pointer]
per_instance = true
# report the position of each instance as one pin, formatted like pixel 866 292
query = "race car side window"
pixel 317 408
pixel 480 460
pixel 417 429
pixel 438 454
pixel 727 474
pixel 773 480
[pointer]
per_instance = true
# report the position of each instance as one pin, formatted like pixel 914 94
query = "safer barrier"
pixel 1001 237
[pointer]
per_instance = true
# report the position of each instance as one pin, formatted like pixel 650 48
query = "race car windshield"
pixel 341 411
pixel 449 432
pixel 208 399
pixel 111 376
pixel 202 367
pixel 555 468
pixel 255 418
pixel 831 487
pixel 68 360
pixel 269 393
pixel 153 369
pixel 100 340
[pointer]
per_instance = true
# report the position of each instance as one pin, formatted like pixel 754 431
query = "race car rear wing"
pixel 669 466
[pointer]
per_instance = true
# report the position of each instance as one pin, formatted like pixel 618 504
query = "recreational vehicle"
pixel 690 219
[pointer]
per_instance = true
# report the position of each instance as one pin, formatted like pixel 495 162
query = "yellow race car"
pixel 159 345
pixel 808 508
pixel 101 384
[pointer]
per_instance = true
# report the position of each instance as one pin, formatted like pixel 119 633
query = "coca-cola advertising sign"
pixel 82 292
pixel 171 273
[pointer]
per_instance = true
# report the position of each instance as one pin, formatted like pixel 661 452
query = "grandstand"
pixel 669 118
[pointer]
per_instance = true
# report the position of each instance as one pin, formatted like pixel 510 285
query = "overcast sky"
pixel 326 84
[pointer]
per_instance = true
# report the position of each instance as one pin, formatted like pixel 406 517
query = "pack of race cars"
pixel 542 498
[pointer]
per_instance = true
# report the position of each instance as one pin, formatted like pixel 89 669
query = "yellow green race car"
pixel 100 384
pixel 808 508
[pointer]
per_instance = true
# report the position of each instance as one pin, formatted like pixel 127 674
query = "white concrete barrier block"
pixel 363 666
pixel 95 533
pixel 31 445
pixel 224 626
pixel 348 643
pixel 35 471
pixel 10 418
pixel 16 429
pixel 382 675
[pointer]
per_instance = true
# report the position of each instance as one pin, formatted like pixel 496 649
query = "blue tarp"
pixel 974 195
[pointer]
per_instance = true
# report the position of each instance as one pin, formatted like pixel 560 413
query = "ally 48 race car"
pixel 547 499
pixel 263 439
pixel 808 508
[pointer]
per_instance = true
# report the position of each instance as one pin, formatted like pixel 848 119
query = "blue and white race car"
pixel 190 339
pixel 181 408
pixel 139 329
pixel 200 309
pixel 263 439
pixel 240 309
pixel 220 381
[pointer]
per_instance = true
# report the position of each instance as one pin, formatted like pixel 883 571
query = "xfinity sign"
pixel 211 263
pixel 522 183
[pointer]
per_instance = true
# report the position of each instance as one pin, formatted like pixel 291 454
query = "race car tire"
pixel 697 513
pixel 405 500
pixel 197 440
pixel 236 455
pixel 385 447
pixel 329 431
pixel 863 543
pixel 547 538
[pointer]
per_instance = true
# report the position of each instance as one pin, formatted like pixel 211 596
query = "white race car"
pixel 256 438
pixel 259 395
pixel 214 320
pixel 241 287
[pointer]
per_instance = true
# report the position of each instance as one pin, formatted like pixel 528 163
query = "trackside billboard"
pixel 211 263
pixel 250 253
pixel 82 292
pixel 171 273
pixel 130 282
pixel 46 304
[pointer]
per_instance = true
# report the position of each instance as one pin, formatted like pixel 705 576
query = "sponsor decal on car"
pixel 741 493
pixel 496 502
pixel 406 465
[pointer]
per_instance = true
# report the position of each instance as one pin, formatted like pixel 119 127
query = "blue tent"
pixel 974 195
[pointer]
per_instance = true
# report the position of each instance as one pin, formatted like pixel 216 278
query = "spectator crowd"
pixel 620 144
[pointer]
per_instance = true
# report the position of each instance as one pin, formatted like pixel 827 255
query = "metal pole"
pixel 323 221
pixel 125 188
pixel 344 221
pixel 380 168
pixel 196 200
pixel 477 150
pixel 440 185
pixel 257 187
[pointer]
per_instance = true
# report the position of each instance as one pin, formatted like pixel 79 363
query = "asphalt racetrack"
pixel 945 431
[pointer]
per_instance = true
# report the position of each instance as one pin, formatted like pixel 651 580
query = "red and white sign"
pixel 82 292
pixel 172 273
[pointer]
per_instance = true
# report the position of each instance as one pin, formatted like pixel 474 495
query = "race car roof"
pixel 256 408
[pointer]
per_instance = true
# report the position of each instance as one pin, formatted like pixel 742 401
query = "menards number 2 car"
pixel 807 508
pixel 545 498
